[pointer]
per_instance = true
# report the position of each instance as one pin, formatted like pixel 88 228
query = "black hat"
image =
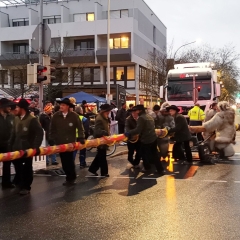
pixel 173 107
pixel 106 107
pixel 67 102
pixel 139 107
pixel 133 109
pixel 6 103
pixel 156 108
pixel 23 103
pixel 84 102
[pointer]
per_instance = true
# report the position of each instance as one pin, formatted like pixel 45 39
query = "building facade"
pixel 79 40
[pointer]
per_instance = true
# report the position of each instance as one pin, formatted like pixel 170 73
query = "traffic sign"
pixel 46 39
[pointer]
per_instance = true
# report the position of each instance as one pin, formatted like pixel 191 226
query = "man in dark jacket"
pixel 33 109
pixel 133 145
pixel 45 120
pixel 27 133
pixel 6 125
pixel 102 128
pixel 181 135
pixel 63 129
pixel 121 118
pixel 146 130
pixel 129 111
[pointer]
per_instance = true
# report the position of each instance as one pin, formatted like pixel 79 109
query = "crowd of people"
pixel 21 129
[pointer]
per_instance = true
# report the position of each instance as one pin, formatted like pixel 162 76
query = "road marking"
pixel 191 172
pixel 217 181
pixel 125 177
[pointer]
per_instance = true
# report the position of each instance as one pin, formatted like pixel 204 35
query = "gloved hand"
pixel 127 134
pixel 51 142
pixel 81 140
pixel 104 133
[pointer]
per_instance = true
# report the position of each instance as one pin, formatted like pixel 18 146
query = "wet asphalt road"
pixel 189 202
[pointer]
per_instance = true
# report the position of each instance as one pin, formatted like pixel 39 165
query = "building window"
pixel 120 74
pixel 83 17
pixel 96 75
pixel 20 22
pixel 116 43
pixel 62 75
pixel 52 20
pixel 87 75
pixel 115 14
pixel 130 73
pixel 84 44
pixel 90 17
pixel 20 48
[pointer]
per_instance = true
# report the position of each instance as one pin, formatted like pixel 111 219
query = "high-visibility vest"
pixel 81 118
pixel 196 114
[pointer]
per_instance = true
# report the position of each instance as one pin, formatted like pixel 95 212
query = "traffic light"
pixel 35 73
pixel 199 89
pixel 47 61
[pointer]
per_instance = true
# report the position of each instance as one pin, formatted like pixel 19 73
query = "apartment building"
pixel 79 35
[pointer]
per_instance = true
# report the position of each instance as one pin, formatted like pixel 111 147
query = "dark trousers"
pixel 132 147
pixel 121 128
pixel 24 173
pixel 68 165
pixel 100 161
pixel 82 156
pixel 150 154
pixel 197 123
pixel 178 152
pixel 6 169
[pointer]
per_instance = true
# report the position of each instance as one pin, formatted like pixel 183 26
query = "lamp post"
pixel 184 46
pixel 108 55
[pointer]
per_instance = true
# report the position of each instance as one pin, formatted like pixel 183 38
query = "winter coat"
pixel 27 133
pixel 157 119
pixel 130 124
pixel 85 123
pixel 63 130
pixel 145 129
pixel 102 126
pixel 210 114
pixel 6 126
pixel 121 116
pixel 166 121
pixel 223 124
pixel 181 131
pixel 45 121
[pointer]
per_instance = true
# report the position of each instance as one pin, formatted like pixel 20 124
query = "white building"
pixel 79 28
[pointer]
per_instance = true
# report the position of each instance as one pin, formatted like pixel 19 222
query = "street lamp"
pixel 108 55
pixel 196 41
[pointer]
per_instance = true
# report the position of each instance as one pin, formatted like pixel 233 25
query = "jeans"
pixel 100 161
pixel 53 156
pixel 132 147
pixel 82 156
pixel 68 165
pixel 150 154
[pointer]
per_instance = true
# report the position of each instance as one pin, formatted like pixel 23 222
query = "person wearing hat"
pixel 146 130
pixel 133 146
pixel 6 125
pixel 166 121
pixel 27 133
pixel 63 129
pixel 102 128
pixel 45 120
pixel 182 136
pixel 33 109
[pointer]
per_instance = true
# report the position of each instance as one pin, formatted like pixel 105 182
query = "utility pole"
pixel 41 50
pixel 108 55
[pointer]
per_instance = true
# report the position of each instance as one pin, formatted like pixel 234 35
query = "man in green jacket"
pixel 146 130
pixel 27 133
pixel 63 129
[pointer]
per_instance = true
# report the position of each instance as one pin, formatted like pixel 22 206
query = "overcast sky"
pixel 216 22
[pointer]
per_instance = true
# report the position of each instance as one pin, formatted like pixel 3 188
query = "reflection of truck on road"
pixel 190 83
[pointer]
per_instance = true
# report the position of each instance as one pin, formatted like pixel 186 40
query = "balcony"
pixel 14 59
pixel 116 55
pixel 71 56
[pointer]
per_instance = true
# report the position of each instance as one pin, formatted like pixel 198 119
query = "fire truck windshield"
pixel 182 90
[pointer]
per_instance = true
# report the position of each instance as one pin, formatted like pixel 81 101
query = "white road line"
pixel 217 181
